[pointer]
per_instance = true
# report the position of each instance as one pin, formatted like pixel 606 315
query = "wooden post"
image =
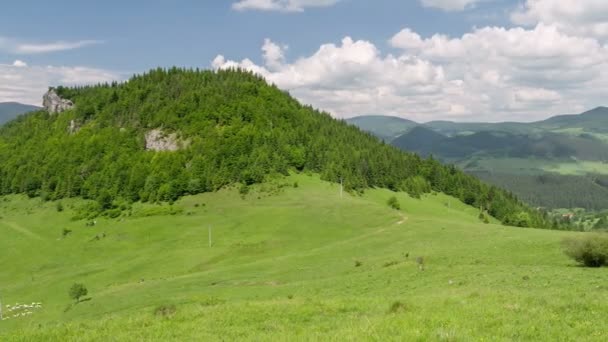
pixel 209 227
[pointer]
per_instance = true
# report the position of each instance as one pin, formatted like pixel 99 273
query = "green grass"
pixel 533 166
pixel 283 266
pixel 578 168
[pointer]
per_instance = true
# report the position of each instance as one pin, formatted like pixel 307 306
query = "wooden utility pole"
pixel 209 227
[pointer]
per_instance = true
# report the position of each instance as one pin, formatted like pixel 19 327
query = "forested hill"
pixel 169 133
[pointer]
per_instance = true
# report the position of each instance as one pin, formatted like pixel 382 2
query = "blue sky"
pixel 424 48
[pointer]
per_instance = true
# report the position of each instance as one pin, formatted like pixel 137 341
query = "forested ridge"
pixel 238 129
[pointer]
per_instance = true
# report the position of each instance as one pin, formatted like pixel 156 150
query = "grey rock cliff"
pixel 157 140
pixel 53 103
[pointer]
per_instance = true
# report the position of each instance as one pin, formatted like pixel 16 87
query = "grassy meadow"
pixel 292 260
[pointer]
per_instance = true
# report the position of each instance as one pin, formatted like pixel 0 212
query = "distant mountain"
pixel 385 127
pixel 464 128
pixel 10 110
pixel 499 144
pixel 569 150
pixel 421 140
pixel 595 120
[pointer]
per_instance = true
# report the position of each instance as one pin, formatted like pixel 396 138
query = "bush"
pixel 590 250
pixel 65 232
pixel 397 307
pixel 112 213
pixel 59 207
pixel 394 203
pixel 165 310
pixel 77 291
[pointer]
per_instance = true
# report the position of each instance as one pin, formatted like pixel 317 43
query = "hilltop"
pixel 170 133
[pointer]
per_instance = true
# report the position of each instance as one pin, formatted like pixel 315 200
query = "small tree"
pixel 77 291
pixel 105 200
pixel 394 203
pixel 590 250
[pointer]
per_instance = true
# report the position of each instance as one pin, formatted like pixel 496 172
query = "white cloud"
pixel 578 17
pixel 24 48
pixel 281 5
pixel 274 55
pixel 19 64
pixel 450 5
pixel 491 73
pixel 22 83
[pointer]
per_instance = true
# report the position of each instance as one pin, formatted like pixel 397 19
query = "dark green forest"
pixel 553 190
pixel 238 129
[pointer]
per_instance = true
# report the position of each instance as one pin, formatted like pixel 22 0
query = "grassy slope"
pixel 283 267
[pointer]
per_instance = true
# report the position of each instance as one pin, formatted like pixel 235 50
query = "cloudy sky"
pixel 464 60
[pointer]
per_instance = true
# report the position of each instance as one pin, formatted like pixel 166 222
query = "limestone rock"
pixel 157 140
pixel 54 104
pixel 74 127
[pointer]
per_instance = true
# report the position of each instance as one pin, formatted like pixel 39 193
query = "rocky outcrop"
pixel 157 140
pixel 53 103
pixel 74 127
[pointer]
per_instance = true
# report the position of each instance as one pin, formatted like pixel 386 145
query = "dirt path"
pixel 403 219
pixel 16 227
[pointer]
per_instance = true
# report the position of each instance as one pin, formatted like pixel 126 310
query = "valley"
pixel 565 154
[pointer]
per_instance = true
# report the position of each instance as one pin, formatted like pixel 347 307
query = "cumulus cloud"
pixel 19 64
pixel 490 73
pixel 281 5
pixel 25 48
pixel 22 83
pixel 578 17
pixel 450 5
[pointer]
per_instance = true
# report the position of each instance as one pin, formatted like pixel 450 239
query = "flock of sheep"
pixel 20 310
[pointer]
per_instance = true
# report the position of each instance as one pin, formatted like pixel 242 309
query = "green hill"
pixel 10 110
pixel 595 120
pixel 385 127
pixel 426 142
pixel 291 263
pixel 175 132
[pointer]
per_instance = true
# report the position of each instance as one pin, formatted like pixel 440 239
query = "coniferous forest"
pixel 234 128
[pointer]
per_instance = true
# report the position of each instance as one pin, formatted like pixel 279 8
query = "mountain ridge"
pixel 10 110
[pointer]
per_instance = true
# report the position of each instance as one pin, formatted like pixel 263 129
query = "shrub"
pixel 397 307
pixel 394 203
pixel 105 200
pixel 358 263
pixel 77 291
pixel 165 310
pixel 65 232
pixel 244 189
pixel 390 263
pixel 113 213
pixel 59 207
pixel 590 250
